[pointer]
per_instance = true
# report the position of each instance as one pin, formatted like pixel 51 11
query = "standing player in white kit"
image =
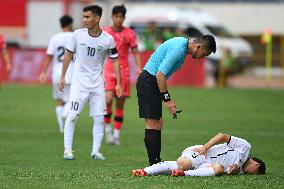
pixel 55 55
pixel 90 47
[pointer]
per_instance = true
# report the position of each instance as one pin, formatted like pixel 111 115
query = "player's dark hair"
pixel 95 9
pixel 65 21
pixel 208 41
pixel 119 9
pixel 262 168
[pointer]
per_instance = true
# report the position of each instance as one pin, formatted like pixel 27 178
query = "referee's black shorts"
pixel 149 97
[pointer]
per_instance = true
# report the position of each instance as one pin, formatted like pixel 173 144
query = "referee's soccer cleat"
pixel 176 173
pixel 98 156
pixel 69 155
pixel 139 173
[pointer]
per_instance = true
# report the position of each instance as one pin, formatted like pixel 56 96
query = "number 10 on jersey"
pixel 91 51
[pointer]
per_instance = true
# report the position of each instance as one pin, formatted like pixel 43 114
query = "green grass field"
pixel 31 147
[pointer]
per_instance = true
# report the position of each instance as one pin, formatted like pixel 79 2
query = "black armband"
pixel 112 51
pixel 166 96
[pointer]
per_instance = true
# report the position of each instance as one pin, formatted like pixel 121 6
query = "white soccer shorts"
pixel 78 99
pixel 196 160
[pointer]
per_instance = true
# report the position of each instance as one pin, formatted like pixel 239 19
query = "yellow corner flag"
pixel 266 38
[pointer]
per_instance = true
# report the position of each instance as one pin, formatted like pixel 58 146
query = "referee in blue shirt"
pixel 152 87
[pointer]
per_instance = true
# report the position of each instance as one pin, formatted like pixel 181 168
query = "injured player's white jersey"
pixel 90 55
pixel 236 151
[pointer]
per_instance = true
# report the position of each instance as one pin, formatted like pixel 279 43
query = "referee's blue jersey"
pixel 168 57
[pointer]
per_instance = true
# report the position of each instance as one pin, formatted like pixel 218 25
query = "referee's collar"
pixel 187 44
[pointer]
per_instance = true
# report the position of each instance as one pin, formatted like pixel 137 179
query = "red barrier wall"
pixel 27 64
pixel 13 13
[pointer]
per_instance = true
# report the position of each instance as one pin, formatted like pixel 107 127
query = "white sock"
pixel 59 111
pixel 98 132
pixel 116 133
pixel 108 128
pixel 69 128
pixel 208 171
pixel 161 167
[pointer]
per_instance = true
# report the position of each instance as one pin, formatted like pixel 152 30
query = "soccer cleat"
pixel 69 155
pixel 116 141
pixel 98 156
pixel 176 173
pixel 139 173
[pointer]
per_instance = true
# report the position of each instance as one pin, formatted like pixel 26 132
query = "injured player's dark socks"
pixel 153 145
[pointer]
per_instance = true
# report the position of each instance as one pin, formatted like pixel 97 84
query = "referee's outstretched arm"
pixel 161 80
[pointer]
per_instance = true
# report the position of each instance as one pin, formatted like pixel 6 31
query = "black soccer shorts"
pixel 149 97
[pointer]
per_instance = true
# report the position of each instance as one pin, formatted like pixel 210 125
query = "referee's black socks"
pixel 153 145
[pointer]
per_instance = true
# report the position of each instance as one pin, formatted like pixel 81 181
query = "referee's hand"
pixel 171 105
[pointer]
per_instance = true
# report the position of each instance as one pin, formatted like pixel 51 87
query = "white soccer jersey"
pixel 236 151
pixel 56 48
pixel 90 52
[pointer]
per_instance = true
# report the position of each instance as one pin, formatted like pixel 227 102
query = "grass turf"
pixel 31 147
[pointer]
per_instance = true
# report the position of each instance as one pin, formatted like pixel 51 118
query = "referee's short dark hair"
pixel 95 9
pixel 208 41
pixel 119 9
pixel 65 20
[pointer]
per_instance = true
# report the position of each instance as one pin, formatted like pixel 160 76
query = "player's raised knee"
pixel 218 169
pixel 184 163
pixel 72 116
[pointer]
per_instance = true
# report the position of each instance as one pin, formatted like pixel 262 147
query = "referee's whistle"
pixel 175 114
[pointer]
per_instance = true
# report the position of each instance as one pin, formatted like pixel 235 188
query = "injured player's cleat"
pixel 68 155
pixel 139 173
pixel 176 173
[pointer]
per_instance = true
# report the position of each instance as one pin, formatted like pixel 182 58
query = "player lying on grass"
pixel 210 159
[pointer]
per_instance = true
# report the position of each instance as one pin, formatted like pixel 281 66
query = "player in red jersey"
pixel 125 39
pixel 5 53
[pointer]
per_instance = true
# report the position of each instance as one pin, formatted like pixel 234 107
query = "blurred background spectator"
pixel 5 61
pixel 151 36
pixel 5 53
pixel 225 69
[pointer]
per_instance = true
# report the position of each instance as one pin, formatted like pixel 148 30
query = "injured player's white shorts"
pixel 196 160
